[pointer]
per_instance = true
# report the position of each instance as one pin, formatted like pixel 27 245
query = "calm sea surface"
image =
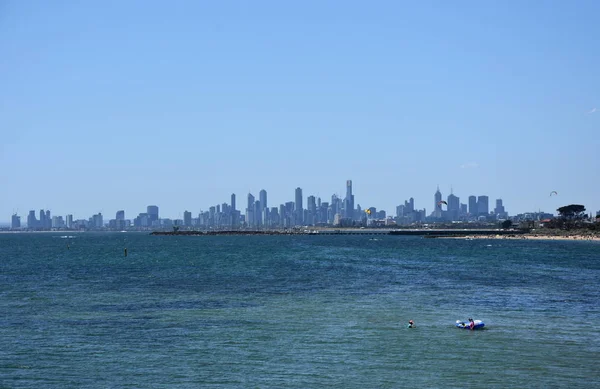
pixel 296 312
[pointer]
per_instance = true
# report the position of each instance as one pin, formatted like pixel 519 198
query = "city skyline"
pixel 254 213
pixel 108 106
pixel 453 204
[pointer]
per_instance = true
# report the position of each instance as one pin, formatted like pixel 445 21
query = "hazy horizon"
pixel 110 105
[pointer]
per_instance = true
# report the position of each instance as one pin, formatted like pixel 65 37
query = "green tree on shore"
pixel 570 216
pixel 572 212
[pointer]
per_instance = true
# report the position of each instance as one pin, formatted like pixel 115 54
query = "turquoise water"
pixel 295 312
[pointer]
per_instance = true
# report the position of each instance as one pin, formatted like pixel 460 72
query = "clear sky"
pixel 108 105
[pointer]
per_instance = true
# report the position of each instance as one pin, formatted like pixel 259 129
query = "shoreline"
pixel 568 237
pixel 575 235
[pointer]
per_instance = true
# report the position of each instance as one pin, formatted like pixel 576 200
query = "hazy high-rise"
pixel 187 218
pixel 298 209
pixel 349 201
pixel 483 205
pixel 473 206
pixel 152 211
pixel 32 222
pixel 15 221
pixel 437 206
pixel 250 210
pixel 262 198
pixel 453 207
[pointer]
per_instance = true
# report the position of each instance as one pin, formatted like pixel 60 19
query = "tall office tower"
pixel 262 196
pixel 233 202
pixel 211 216
pixel 437 197
pixel 282 216
pixel 42 222
pixel 273 217
pixel 120 215
pixel 499 210
pixel 298 209
pixel 187 218
pixel 218 215
pixel 48 220
pixel 335 201
pixel 152 211
pixel 400 210
pixel 473 206
pixel 257 213
pixel 289 212
pixel 409 206
pixel 32 222
pixel 69 221
pixel 15 222
pixel 349 201
pixel 453 207
pixel 482 205
pixel 323 207
pixel 250 210
pixel 311 206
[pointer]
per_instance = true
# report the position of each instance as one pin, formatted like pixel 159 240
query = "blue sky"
pixel 108 105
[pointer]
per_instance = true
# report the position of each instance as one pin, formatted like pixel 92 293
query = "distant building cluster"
pixel 258 215
pixel 476 209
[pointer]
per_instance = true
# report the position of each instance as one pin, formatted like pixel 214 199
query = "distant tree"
pixel 506 224
pixel 571 216
pixel 572 212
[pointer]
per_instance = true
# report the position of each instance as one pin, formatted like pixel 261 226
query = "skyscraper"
pixel 437 197
pixel 499 210
pixel 250 210
pixel 349 201
pixel 120 215
pixel 453 207
pixel 187 218
pixel 473 206
pixel 483 205
pixel 298 209
pixel 257 213
pixel 15 222
pixel 311 206
pixel 233 202
pixel 32 222
pixel 152 211
pixel 42 222
pixel 262 196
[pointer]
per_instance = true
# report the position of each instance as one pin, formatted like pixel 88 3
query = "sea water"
pixel 295 312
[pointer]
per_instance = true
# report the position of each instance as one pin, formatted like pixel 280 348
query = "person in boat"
pixel 411 324
pixel 471 324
